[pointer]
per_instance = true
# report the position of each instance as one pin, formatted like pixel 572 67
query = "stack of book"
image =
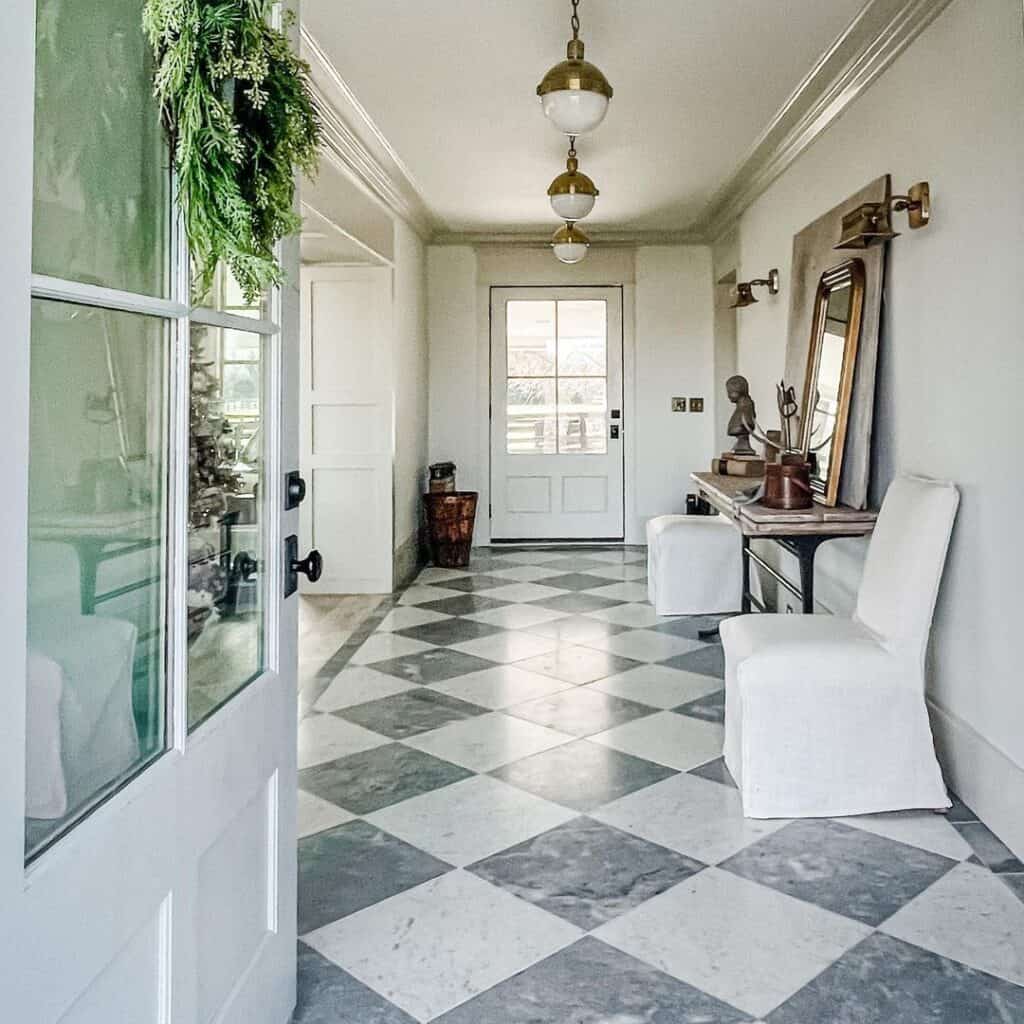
pixel 731 464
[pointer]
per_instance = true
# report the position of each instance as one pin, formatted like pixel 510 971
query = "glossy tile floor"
pixel 514 811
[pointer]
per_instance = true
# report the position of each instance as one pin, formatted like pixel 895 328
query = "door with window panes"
pixel 147 751
pixel 556 414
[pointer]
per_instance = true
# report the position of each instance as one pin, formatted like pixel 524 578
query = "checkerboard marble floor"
pixel 513 810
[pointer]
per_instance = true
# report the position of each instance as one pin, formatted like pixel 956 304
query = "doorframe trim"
pixel 628 336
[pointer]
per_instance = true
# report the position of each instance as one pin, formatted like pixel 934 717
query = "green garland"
pixel 236 105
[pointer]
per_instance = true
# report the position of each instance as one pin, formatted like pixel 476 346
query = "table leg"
pixel 745 598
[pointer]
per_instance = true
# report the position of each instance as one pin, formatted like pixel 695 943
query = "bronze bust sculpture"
pixel 742 421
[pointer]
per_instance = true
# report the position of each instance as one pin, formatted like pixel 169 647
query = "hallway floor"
pixel 513 810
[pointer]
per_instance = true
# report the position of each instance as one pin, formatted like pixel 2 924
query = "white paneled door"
pixel 557 416
pixel 147 742
pixel 347 426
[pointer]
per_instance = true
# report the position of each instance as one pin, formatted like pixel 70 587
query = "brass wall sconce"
pixel 745 289
pixel 871 223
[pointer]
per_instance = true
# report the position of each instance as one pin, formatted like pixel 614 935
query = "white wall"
pixel 410 387
pixel 952 358
pixel 667 317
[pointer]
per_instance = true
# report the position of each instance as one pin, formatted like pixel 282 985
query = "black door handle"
pixel 312 566
pixel 294 490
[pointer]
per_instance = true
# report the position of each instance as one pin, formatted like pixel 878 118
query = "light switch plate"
pixel 679 405
pixel 696 405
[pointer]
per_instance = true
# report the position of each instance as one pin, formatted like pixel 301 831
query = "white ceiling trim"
pixel 537 238
pixel 873 40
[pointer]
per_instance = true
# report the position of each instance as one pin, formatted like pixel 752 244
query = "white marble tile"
pixel 522 573
pixel 441 943
pixel 508 646
pixel 574 664
pixel 739 941
pixel 357 685
pixel 500 687
pixel 436 574
pixel 522 592
pixel 405 616
pixel 637 616
pixel 620 572
pixel 923 829
pixel 422 593
pixel 382 646
pixel 659 686
pixel 967 915
pixel 645 645
pixel 326 738
pixel 628 591
pixel 617 556
pixel 674 740
pixel 316 815
pixel 470 820
pixel 517 616
pixel 699 818
pixel 487 741
pixel 529 557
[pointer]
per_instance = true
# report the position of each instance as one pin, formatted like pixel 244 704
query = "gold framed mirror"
pixel 831 363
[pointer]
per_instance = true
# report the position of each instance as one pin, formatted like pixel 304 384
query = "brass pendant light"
pixel 574 93
pixel 569 244
pixel 572 193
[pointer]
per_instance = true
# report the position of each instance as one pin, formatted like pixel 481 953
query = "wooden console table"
pixel 800 533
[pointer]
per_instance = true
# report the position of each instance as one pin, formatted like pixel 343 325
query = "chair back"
pixel 905 561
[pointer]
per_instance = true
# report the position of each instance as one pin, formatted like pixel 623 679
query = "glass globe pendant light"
pixel 572 193
pixel 574 94
pixel 569 244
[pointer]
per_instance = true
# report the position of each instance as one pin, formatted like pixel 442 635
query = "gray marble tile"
pixel 433 666
pixel 410 713
pixel 354 866
pixel 448 632
pixel 885 981
pixel 846 870
pixel 328 995
pixel 472 584
pixel 577 604
pixel 710 708
pixel 582 775
pixel 1016 883
pixel 585 871
pixel 577 581
pixel 709 661
pixel 377 778
pixel 591 983
pixel 464 604
pixel 580 711
pixel 960 811
pixel 574 563
pixel 689 626
pixel 715 771
pixel 989 848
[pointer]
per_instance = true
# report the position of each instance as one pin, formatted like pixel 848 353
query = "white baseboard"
pixel 988 781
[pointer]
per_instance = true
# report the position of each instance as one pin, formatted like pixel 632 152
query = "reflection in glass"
pixel 582 415
pixel 102 183
pixel 530 416
pixel 225 296
pixel 828 376
pixel 225 600
pixel 530 334
pixel 582 338
pixel 96 559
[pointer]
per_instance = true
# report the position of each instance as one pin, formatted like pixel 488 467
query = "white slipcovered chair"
pixel 826 716
pixel 694 565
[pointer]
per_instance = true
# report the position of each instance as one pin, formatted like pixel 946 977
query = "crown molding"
pixel 542 239
pixel 354 143
pixel 874 39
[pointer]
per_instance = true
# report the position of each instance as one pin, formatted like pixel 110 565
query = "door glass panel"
pixel 582 415
pixel 96 558
pixel 582 339
pixel 530 417
pixel 226 531
pixel 225 296
pixel 101 207
pixel 530 332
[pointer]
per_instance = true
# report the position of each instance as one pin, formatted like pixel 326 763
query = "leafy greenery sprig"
pixel 236 105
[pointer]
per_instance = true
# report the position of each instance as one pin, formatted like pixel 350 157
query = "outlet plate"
pixel 696 405
pixel 679 405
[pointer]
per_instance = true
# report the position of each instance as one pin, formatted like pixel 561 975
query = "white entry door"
pixel 147 744
pixel 347 426
pixel 557 417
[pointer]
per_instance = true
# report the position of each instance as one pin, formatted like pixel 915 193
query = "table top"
pixel 726 494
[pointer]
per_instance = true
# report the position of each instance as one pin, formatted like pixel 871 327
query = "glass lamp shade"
pixel 572 193
pixel 569 244
pixel 574 111
pixel 572 205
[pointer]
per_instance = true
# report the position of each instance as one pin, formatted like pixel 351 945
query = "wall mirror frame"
pixel 831 365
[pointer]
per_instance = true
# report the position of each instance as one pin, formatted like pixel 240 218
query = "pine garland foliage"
pixel 236 105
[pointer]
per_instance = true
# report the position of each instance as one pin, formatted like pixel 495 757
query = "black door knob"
pixel 312 566
pixel 294 490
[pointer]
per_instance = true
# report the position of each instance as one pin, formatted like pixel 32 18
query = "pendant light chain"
pixel 572 145
pixel 574 21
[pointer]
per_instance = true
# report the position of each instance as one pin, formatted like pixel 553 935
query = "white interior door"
pixel 147 748
pixel 348 427
pixel 557 417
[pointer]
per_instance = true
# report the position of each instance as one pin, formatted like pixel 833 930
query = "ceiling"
pixel 450 86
